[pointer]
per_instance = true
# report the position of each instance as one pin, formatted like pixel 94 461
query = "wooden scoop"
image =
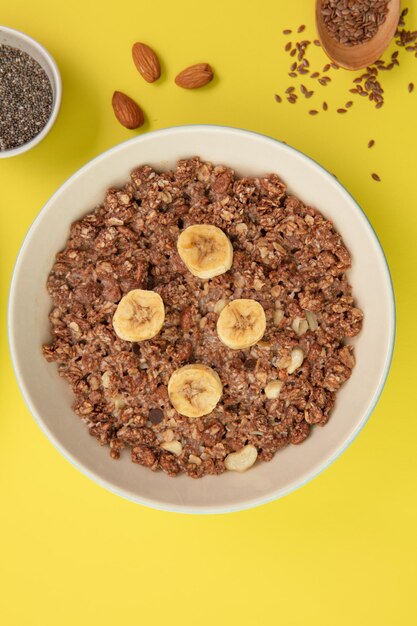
pixel 357 57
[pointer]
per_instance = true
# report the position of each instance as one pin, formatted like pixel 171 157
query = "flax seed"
pixel 353 23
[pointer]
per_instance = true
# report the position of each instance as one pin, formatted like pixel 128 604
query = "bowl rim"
pixel 248 503
pixel 5 154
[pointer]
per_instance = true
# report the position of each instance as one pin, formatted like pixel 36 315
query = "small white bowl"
pixel 49 397
pixel 16 39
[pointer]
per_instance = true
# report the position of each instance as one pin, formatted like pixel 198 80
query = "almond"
pixel 146 61
pixel 195 76
pixel 128 113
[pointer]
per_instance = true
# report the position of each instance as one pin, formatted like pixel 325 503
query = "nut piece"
pixel 241 228
pixel 172 446
pixel 194 76
pixel 284 362
pixel 299 325
pixel 119 403
pixel 273 389
pixel 105 379
pixel 146 61
pixel 297 358
pixel 127 112
pixel 278 316
pixel 312 320
pixel 219 306
pixel 168 435
pixel 241 460
pixel 195 460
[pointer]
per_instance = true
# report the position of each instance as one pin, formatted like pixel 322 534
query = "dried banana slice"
pixel 241 324
pixel 194 390
pixel 205 250
pixel 139 315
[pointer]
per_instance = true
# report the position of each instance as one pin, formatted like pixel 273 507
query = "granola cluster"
pixel 287 256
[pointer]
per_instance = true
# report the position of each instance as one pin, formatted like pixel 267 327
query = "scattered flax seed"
pixel 354 20
pixel 313 112
pixel 305 91
pixel 371 143
pixel 376 177
pixel 325 106
pixel 289 89
pixel 278 98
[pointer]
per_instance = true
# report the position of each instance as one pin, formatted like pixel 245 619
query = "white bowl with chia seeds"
pixel 49 397
pixel 37 90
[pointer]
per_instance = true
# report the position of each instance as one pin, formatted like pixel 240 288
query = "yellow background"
pixel 341 550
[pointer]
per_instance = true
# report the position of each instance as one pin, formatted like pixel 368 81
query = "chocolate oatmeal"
pixel 286 256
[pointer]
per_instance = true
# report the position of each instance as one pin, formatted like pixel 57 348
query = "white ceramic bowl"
pixel 16 39
pixel 49 397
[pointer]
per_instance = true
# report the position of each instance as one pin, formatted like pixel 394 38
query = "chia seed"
pixel 25 98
